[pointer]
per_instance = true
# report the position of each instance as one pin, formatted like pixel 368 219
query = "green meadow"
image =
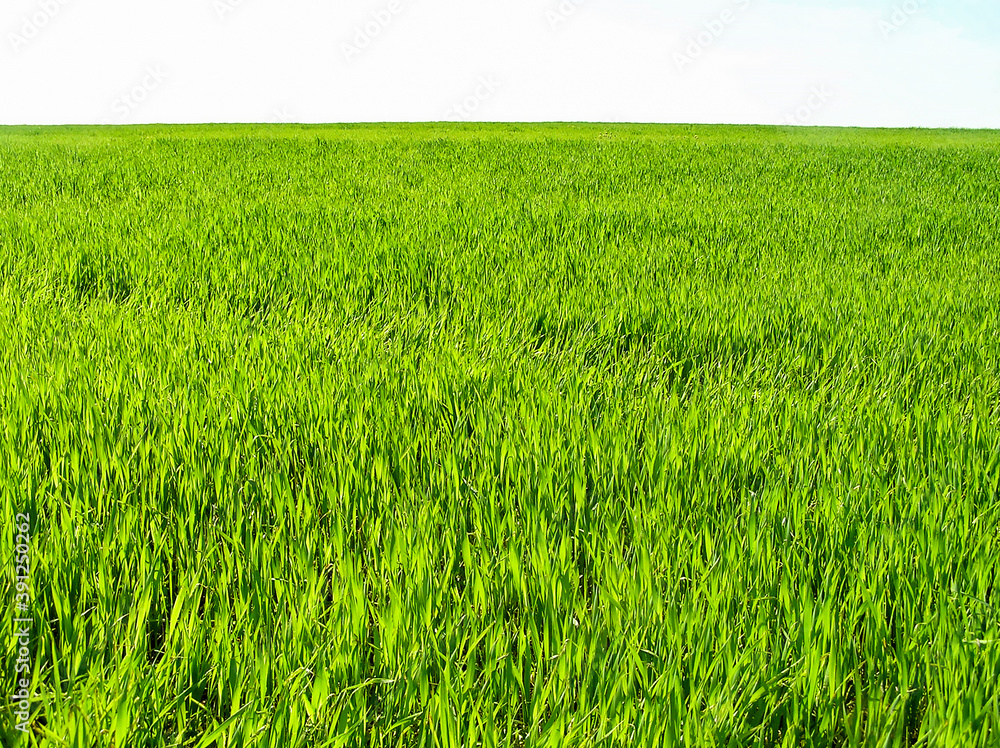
pixel 502 435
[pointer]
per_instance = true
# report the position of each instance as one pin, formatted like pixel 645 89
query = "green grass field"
pixel 481 435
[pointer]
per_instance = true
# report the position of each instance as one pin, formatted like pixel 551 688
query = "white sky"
pixel 928 63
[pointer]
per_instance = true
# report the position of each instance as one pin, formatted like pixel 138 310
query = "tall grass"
pixel 501 435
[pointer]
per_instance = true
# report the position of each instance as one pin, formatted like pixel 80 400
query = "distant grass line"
pixel 458 435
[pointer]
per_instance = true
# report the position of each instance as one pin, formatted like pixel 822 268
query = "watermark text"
pixel 21 698
pixel 32 25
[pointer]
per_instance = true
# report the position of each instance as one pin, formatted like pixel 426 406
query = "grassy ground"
pixel 556 435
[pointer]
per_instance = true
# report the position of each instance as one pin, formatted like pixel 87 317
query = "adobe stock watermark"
pixel 368 32
pixel 32 25
pixel 713 29
pixel 901 15
pixel 224 7
pixel 467 108
pixel 21 698
pixel 563 12
pixel 281 115
pixel 129 101
pixel 818 98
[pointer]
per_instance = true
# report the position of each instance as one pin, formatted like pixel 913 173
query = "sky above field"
pixel 926 63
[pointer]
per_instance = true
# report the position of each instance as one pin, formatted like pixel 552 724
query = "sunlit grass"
pixel 501 435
